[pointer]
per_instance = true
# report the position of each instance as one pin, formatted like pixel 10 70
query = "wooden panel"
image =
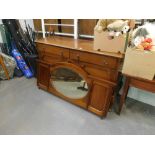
pixel 51 27
pixel 98 71
pixel 105 73
pixel 52 59
pixel 141 84
pixel 67 21
pixel 66 29
pixel 94 59
pixel 51 21
pixel 53 51
pixel 43 76
pixel 86 46
pixel 37 24
pixel 86 26
pixel 100 98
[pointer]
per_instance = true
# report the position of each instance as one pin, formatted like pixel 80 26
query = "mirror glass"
pixel 69 83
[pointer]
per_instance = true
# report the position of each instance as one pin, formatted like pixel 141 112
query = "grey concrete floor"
pixel 25 109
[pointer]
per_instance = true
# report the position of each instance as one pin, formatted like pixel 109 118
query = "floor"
pixel 25 109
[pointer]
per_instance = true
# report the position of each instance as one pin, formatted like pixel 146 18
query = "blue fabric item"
pixel 21 63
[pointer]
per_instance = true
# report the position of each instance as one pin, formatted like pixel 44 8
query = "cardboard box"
pixel 103 43
pixel 139 63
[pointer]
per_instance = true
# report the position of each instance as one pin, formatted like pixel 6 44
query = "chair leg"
pixel 4 68
pixel 124 94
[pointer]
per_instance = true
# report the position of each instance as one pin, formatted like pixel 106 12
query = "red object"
pixel 148 47
pixel 148 40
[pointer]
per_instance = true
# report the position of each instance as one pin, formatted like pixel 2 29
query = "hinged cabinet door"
pixel 100 98
pixel 43 76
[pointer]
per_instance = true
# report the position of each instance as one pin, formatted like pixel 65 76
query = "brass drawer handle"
pixel 83 66
pixel 106 63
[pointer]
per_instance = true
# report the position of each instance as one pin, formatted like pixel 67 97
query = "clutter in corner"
pixel 115 27
pixel 17 46
pixel 140 55
pixel 113 32
pixel 142 38
pixel 10 65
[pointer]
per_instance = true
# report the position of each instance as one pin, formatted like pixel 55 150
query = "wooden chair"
pixel 4 67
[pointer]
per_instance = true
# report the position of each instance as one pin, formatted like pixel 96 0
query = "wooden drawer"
pixel 104 73
pixel 53 51
pixel 101 60
pixel 98 71
pixel 52 59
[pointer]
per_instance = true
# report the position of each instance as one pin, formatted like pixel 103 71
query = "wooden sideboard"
pixel 100 70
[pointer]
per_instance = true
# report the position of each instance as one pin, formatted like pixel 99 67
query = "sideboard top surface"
pixel 76 44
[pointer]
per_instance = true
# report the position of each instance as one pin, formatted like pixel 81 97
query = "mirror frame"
pixel 76 69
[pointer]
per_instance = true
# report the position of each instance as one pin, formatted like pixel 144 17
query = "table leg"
pixel 124 94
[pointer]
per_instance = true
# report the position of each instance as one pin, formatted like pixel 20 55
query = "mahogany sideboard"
pixel 99 69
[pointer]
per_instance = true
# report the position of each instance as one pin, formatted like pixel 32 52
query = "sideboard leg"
pixel 102 117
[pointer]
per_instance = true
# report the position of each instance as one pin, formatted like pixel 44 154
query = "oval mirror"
pixel 69 83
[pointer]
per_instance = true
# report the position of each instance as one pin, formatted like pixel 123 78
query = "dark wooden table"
pixel 147 85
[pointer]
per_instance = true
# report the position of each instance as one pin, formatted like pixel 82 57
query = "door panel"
pixel 100 98
pixel 43 76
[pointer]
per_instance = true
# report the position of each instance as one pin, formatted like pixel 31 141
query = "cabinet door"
pixel 100 98
pixel 43 76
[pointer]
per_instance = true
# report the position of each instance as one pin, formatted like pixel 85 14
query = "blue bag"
pixel 21 63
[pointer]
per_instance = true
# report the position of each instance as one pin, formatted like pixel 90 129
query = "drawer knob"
pixel 106 63
pixel 83 66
